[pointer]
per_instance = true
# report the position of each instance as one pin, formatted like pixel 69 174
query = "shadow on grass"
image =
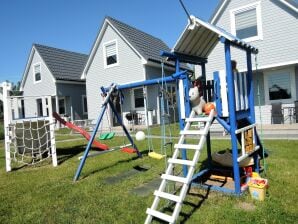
pixel 200 199
pixel 18 167
pixel 109 166
pixel 65 154
pixel 195 204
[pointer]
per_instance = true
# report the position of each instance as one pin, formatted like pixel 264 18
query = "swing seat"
pixel 128 150
pixel 155 155
pixel 106 136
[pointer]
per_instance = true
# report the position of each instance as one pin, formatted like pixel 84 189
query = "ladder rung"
pixel 186 146
pixel 160 215
pixel 247 154
pixel 192 132
pixel 198 119
pixel 168 196
pixel 174 178
pixel 181 161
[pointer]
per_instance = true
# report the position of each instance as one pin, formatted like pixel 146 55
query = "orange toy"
pixel 208 107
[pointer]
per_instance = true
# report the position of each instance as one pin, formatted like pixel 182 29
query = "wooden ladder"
pixel 169 176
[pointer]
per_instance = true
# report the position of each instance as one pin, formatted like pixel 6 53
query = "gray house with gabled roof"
pixel 122 54
pixel 56 72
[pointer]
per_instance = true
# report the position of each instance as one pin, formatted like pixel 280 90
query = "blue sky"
pixel 74 24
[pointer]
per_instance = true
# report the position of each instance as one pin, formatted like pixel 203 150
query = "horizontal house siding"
pixel 279 44
pixel 130 69
pixel 74 93
pixel 296 78
pixel 153 72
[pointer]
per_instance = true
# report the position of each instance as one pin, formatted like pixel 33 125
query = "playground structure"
pixel 233 95
pixel 29 138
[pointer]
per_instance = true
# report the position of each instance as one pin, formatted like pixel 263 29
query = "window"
pixel 62 107
pixel 280 86
pixel 37 73
pixel 39 107
pixel 138 97
pixel 110 54
pixel 246 22
pixel 85 106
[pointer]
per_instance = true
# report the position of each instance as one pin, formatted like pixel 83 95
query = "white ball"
pixel 140 135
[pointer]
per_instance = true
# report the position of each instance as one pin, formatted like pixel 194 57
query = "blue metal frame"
pixel 88 147
pixel 99 120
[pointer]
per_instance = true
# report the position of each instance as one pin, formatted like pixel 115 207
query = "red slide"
pixel 81 131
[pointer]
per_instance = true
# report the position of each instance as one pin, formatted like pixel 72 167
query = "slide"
pixel 83 132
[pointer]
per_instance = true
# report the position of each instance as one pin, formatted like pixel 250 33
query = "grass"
pixel 48 195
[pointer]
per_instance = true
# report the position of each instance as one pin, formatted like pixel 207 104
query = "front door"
pixel 39 107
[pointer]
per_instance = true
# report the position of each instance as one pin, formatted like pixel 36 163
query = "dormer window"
pixel 37 73
pixel 110 54
pixel 246 22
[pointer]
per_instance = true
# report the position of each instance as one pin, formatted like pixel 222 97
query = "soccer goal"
pixel 29 129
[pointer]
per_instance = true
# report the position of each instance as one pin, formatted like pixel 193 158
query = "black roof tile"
pixel 64 65
pixel 147 45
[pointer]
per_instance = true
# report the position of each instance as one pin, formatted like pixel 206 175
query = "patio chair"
pixel 277 116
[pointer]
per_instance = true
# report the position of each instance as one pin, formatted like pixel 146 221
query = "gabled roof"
pixel 145 45
pixel 199 39
pixel 292 4
pixel 64 65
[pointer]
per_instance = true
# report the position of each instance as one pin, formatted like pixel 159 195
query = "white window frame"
pixel 257 6
pixel 105 55
pixel 133 99
pixel 85 110
pixel 34 77
pixel 289 70
pixel 60 98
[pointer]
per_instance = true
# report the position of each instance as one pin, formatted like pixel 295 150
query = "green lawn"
pixel 48 195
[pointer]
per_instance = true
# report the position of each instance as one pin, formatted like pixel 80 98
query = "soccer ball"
pixel 140 136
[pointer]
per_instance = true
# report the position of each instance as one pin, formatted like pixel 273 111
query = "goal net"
pixel 29 129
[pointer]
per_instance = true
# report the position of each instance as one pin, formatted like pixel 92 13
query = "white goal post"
pixel 29 129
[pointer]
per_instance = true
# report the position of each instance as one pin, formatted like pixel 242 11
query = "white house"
pixel 55 72
pixel 122 54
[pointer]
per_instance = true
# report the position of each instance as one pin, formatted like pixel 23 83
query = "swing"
pixel 264 154
pixel 108 135
pixel 153 154
pixel 156 155
pixel 128 150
